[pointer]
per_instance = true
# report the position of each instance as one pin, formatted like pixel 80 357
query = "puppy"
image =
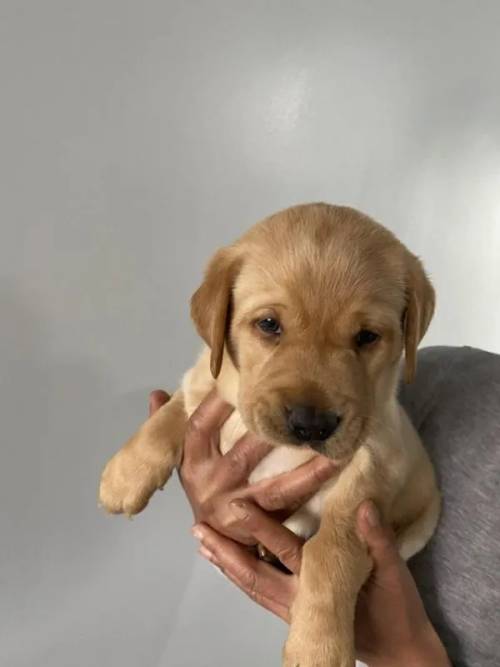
pixel 305 320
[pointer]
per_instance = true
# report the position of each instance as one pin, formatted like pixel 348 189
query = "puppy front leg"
pixel 146 461
pixel 335 566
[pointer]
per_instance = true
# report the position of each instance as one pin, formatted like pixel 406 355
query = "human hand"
pixel 392 628
pixel 212 480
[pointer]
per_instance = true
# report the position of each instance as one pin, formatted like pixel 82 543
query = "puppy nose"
pixel 307 424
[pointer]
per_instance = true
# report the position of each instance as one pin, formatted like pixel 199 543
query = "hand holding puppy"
pixel 212 480
pixel 392 627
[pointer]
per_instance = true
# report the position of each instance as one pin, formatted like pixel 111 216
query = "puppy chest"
pixel 281 459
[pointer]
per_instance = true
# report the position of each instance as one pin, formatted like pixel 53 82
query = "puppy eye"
pixel 366 337
pixel 270 326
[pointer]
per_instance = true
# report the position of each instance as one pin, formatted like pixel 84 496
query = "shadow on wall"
pixel 65 564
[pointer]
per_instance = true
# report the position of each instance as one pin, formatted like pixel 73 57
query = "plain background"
pixel 135 138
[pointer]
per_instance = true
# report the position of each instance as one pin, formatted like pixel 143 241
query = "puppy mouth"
pixel 340 446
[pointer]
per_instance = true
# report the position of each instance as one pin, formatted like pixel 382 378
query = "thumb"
pixel 378 537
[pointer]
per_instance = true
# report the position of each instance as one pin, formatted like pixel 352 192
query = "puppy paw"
pixel 130 479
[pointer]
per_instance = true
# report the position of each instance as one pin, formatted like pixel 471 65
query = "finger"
pixel 157 398
pixel 293 488
pixel 262 582
pixel 261 599
pixel 238 463
pixel 202 435
pixel 280 541
pixel 378 537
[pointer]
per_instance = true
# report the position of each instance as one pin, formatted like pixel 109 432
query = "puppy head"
pixel 314 306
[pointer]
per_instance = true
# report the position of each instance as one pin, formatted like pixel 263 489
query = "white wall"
pixel 135 138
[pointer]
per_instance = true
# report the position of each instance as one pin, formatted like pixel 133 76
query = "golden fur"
pixel 325 272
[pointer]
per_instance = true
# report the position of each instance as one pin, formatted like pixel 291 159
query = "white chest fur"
pixel 303 522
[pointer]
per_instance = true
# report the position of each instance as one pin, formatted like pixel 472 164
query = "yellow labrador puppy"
pixel 305 320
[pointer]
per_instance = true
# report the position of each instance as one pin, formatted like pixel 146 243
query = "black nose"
pixel 307 424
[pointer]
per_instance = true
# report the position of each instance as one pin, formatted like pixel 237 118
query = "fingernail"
pixel 372 515
pixel 197 532
pixel 206 553
pixel 239 509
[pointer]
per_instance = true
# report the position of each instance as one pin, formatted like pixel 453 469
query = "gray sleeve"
pixel 455 405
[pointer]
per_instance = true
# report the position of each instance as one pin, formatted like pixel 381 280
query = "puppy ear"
pixel 418 315
pixel 210 304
